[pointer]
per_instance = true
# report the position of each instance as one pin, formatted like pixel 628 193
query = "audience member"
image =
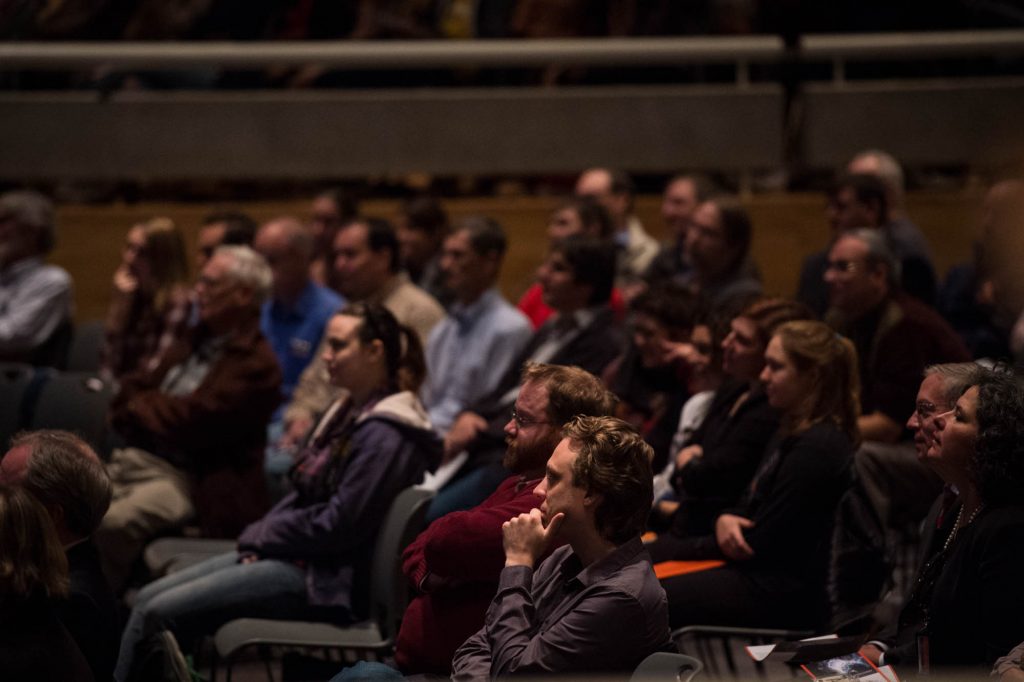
pixel 703 359
pixel 330 209
pixel 683 194
pixel 970 298
pixel 223 228
pixel 718 250
pixel 897 337
pixel 150 305
pixel 902 230
pixel 1010 667
pixel 647 378
pixel 35 298
pixel 63 473
pixel 613 189
pixel 575 215
pixel 195 426
pixel 776 543
pixel 594 605
pixel 366 270
pixel 859 570
pixel 454 564
pixel 33 573
pixel 474 346
pixel 309 556
pixel 862 201
pixel 577 280
pixel 294 317
pixel 965 609
pixel 422 227
pixel 715 466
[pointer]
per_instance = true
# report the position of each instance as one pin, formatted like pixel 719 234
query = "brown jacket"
pixel 220 427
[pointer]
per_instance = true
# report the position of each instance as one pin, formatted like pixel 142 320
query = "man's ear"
pixel 245 296
pixel 592 500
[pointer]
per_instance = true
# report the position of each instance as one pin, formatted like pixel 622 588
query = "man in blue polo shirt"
pixel 294 317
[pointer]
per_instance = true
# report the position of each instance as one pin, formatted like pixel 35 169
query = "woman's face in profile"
pixel 957 431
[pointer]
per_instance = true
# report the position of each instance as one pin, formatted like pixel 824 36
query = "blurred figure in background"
pixel 149 308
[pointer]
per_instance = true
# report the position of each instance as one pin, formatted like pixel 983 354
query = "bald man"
pixel 294 317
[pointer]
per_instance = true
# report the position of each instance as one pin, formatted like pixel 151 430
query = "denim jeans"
pixel 367 670
pixel 202 597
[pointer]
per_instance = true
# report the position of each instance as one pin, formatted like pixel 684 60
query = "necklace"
pixel 957 526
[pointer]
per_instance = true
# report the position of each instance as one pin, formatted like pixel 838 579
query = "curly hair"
pixel 613 461
pixel 997 465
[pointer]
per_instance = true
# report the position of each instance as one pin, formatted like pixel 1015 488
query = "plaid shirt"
pixel 145 334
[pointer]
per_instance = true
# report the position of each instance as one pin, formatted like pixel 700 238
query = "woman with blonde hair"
pixel 33 572
pixel 775 544
pixel 150 303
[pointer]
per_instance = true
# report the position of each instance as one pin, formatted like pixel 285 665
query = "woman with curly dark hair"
pixel 967 605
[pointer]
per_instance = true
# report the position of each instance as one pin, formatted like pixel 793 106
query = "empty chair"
pixel 76 402
pixel 663 666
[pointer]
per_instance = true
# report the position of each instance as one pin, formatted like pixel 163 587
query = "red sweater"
pixel 463 550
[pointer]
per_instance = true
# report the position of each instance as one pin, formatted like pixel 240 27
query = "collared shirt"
pixel 565 329
pixel 34 299
pixel 567 618
pixel 184 378
pixel 469 352
pixel 294 331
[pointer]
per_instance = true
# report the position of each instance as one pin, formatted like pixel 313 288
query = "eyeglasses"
pixel 925 409
pixel 525 421
pixel 844 265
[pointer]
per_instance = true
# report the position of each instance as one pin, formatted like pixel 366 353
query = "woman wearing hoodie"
pixel 308 558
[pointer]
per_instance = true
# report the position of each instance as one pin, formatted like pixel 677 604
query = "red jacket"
pixel 463 554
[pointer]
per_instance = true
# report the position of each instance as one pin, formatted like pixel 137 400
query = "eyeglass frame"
pixel 521 423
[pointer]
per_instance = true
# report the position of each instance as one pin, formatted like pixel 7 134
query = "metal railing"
pixel 431 54
pixel 644 128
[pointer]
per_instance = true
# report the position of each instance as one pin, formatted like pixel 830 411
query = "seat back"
pixel 76 402
pixel 86 345
pixel 389 592
pixel 663 666
pixel 53 352
pixel 722 650
pixel 15 379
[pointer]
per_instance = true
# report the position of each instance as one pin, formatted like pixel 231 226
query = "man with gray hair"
pixel 35 298
pixel 61 471
pixel 896 337
pixel 195 426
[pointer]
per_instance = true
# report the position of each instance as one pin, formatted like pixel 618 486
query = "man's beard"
pixel 519 459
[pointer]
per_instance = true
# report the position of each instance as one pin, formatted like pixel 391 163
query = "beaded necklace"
pixel 957 526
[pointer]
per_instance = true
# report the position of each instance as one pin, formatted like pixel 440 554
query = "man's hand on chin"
pixel 526 539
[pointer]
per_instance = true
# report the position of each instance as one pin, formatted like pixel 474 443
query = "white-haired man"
pixel 196 425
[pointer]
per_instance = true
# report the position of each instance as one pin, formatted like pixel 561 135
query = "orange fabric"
pixel 670 569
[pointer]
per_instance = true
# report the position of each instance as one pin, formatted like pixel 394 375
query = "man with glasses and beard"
pixel 454 565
